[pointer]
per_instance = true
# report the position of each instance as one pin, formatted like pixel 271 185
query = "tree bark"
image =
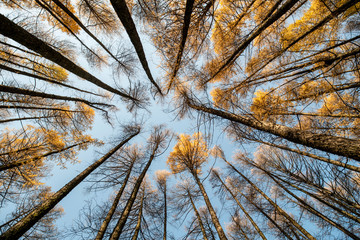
pixel 336 145
pixel 185 30
pixel 23 162
pixel 33 217
pixel 214 218
pixel 198 217
pixel 23 37
pixel 138 224
pixel 124 15
pixel 125 213
pixel 242 207
pixel 281 211
pixel 111 212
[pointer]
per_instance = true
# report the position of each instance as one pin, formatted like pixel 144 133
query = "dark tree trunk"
pixel 124 15
pixel 33 217
pixel 331 144
pixel 11 30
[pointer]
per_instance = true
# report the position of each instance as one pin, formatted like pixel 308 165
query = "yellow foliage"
pixel 220 98
pixel 190 152
pixel 66 19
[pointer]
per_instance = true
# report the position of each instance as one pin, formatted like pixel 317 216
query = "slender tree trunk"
pixel 307 154
pixel 125 213
pixel 124 15
pixel 311 209
pixel 323 201
pixel 267 216
pixel 24 119
pixel 33 217
pixel 244 44
pixel 111 212
pixel 68 12
pixel 23 162
pixel 198 217
pixel 281 211
pixel 316 26
pixel 331 144
pixel 241 206
pixel 165 213
pixel 214 218
pixel 185 30
pixel 13 70
pixel 138 224
pixel 15 32
pixel 23 91
pixel 240 228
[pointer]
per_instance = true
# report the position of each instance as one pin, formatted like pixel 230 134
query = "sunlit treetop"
pixel 189 153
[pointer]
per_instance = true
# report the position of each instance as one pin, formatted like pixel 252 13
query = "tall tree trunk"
pixel 198 217
pixel 267 216
pixel 324 200
pixel 111 212
pixel 311 209
pixel 32 218
pixel 83 27
pixel 281 211
pixel 307 154
pixel 15 32
pixel 124 15
pixel 13 70
pixel 214 218
pixel 185 30
pixel 138 224
pixel 165 212
pixel 23 162
pixel 245 43
pixel 331 144
pixel 241 206
pixel 23 91
pixel 125 213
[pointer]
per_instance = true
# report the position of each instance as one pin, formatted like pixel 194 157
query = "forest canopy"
pixel 261 138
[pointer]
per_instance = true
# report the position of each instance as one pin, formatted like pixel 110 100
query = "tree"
pixel 161 179
pixel 156 143
pixel 30 219
pixel 189 154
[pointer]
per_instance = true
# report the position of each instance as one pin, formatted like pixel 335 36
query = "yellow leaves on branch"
pixel 314 14
pixel 266 103
pixel 66 19
pixel 189 153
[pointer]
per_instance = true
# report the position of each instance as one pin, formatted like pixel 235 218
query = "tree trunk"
pixel 44 79
pixel 242 208
pixel 336 145
pixel 138 224
pixel 124 15
pixel 23 37
pixel 68 12
pixel 165 213
pixel 32 218
pixel 281 211
pixel 307 154
pixel 111 212
pixel 23 162
pixel 245 43
pixel 125 213
pixel 185 30
pixel 23 91
pixel 214 218
pixel 311 209
pixel 198 217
